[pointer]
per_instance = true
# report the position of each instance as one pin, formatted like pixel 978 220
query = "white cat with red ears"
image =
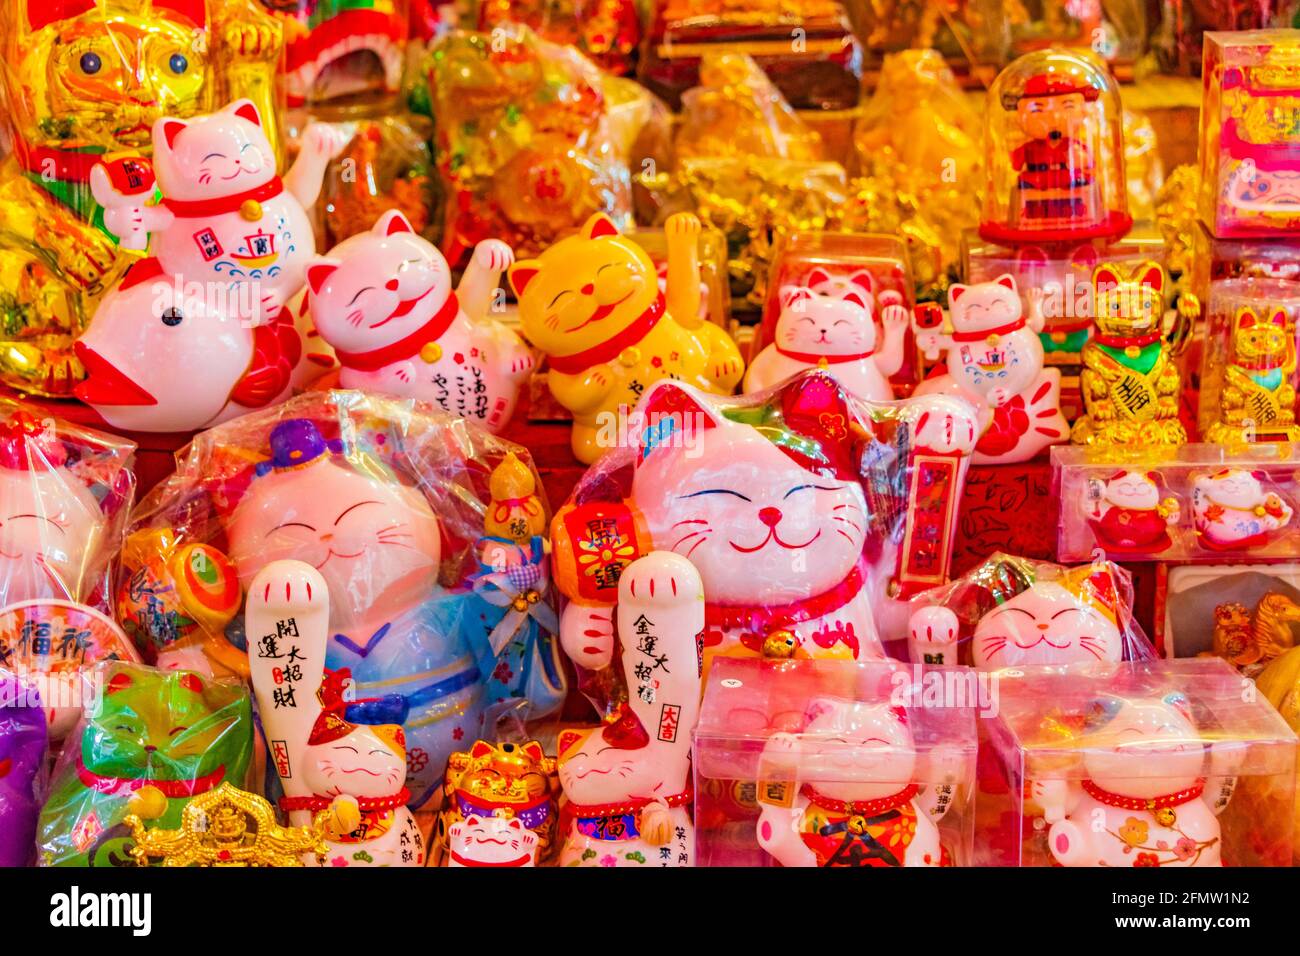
pixel 495 841
pixel 226 216
pixel 383 300
pixel 995 361
pixel 829 322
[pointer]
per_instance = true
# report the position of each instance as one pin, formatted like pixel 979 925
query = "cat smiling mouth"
pixel 773 536
pixel 403 308
pixel 336 554
pixel 601 312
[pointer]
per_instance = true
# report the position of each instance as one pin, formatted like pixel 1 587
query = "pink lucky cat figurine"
pixel 829 323
pixel 995 361
pixel 226 218
pixel 498 840
pixel 866 808
pixel 384 300
pixel 628 782
pixel 1147 798
pixel 1232 511
pixel 325 758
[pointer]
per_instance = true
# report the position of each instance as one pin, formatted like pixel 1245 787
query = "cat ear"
pixel 165 132
pixel 481 748
pixel 856 298
pixel 899 713
pixel 522 273
pixel 569 739
pixel 1150 274
pixel 515 823
pixel 1105 276
pixel 598 226
pixel 955 292
pixel 41 13
pixel 119 682
pixel 1246 318
pixel 790 294
pixel 245 110
pixel 818 707
pixel 817 277
pixel 318 270
pixel 1006 280
pixel 196 11
pixel 534 752
pixel 1179 702
pixel 865 280
pixel 391 223
pixel 1278 318
pixel 671 415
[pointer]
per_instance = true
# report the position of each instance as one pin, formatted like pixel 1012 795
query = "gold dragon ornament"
pixel 82 80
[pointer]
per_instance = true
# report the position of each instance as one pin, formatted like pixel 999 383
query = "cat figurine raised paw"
pixel 1231 510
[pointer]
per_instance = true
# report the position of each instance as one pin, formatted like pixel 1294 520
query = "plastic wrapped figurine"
pixel 384 301
pixel 995 362
pixel 1054 155
pixel 1130 512
pixel 628 781
pixel 829 323
pixel 387 500
pixel 1012 612
pixel 155 739
pixel 1250 164
pixel 22 769
pixel 1130 380
pixel 1232 510
pixel 865 808
pixel 330 753
pixel 86 79
pixel 1147 799
pixel 500 805
pixel 592 303
pixel 793 505
pixel 606 31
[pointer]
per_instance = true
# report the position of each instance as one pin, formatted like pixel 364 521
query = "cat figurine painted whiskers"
pixel 592 303
pixel 829 322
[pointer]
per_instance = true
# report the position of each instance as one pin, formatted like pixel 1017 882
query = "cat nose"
pixel 327 537
pixel 1044 627
pixel 770 516
pixel 587 289
pixel 391 285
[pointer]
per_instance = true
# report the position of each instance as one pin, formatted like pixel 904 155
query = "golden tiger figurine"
pixel 1130 381
pixel 1258 398
pixel 86 79
pixel 517 781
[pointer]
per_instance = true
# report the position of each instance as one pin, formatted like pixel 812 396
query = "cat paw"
pixel 287 587
pixel 322 139
pixel 947 427
pixel 493 255
pixel 251 41
pixel 1051 796
pixel 895 316
pixel 727 368
pixel 932 635
pixel 587 635
pixel 522 363
pixel 683 224
pixel 660 579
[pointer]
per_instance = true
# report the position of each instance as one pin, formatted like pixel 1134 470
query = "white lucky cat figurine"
pixel 383 300
pixel 498 841
pixel 1147 797
pixel 867 808
pixel 325 760
pixel 1231 510
pixel 628 782
pixel 830 323
pixel 227 218
pixel 995 361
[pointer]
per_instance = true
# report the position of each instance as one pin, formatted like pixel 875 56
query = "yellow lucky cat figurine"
pixel 592 303
pixel 1258 398
pixel 84 81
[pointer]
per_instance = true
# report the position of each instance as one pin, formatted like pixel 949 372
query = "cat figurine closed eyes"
pixel 592 303
pixel 829 322
pixel 384 300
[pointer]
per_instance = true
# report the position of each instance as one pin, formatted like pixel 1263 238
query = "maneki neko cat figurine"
pixel 591 302
pixel 378 545
pixel 226 218
pixel 384 300
pixel 1258 397
pixel 1130 380
pixel 329 757
pixel 1147 798
pixel 768 499
pixel 1231 511
pixel 995 361
pixel 874 813
pixel 86 79
pixel 1128 515
pixel 1014 613
pixel 499 796
pixel 829 323
pixel 628 781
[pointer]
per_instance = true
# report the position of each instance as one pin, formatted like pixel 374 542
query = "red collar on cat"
pixel 812 358
pixel 1186 795
pixel 597 811
pixel 765 618
pixel 221 205
pixel 317 803
pixel 864 808
pixel 611 348
pixel 1127 341
pixel 1263 364
pixel 406 347
pixel 983 334
pixel 171 789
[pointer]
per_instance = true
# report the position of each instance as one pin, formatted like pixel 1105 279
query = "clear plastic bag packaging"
pixel 1147 764
pixel 428 530
pixel 835 764
pixel 24 770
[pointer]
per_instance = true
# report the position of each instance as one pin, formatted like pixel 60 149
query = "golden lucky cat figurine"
pixel 84 82
pixel 592 303
pixel 1258 398
pixel 1130 381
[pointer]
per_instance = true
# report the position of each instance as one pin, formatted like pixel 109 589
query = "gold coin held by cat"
pixel 431 352
pixel 251 210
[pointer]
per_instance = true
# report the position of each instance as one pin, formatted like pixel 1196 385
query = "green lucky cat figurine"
pixel 151 741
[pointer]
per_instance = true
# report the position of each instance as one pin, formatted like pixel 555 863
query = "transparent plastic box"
pixel 1198 502
pixel 1158 763
pixel 790 764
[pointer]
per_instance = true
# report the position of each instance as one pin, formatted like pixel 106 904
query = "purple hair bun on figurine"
pixel 297 442
pixel 22 764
